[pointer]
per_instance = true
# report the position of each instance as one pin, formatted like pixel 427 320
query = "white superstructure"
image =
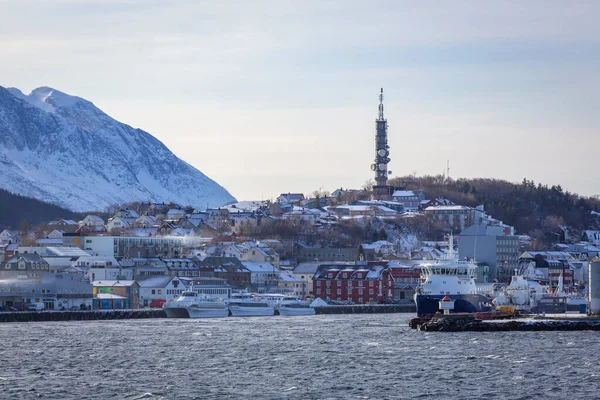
pixel 192 305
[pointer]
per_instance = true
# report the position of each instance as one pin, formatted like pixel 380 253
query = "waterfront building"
pixel 25 267
pixel 156 290
pixel 228 268
pixel 306 271
pixel 115 294
pixel 291 284
pixel 263 276
pixel 359 284
pixel 316 254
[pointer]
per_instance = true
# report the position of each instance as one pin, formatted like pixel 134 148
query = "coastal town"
pixel 297 245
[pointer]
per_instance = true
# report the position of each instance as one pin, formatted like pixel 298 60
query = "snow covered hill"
pixel 64 150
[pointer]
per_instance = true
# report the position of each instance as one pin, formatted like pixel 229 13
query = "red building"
pixel 359 283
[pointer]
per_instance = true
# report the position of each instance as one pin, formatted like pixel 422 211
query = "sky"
pixel 270 97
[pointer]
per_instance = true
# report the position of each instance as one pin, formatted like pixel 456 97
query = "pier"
pixel 32 316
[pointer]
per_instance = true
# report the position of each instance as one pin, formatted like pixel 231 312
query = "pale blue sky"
pixel 275 96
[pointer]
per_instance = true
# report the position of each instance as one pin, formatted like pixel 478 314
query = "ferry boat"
pixel 450 277
pixel 193 305
pixel 250 305
pixel 290 306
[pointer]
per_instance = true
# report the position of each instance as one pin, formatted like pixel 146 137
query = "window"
pixel 328 291
pixel 371 283
pixel 319 291
pixel 360 291
pixel 153 291
pixel 339 283
pixel 370 291
pixel 339 291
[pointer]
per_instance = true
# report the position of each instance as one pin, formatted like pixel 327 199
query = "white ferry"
pixel 290 306
pixel 251 305
pixel 193 305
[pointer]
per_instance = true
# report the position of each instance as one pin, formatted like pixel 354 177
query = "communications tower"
pixel 382 151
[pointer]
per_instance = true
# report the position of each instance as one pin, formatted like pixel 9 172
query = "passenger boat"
pixel 290 306
pixel 450 277
pixel 192 305
pixel 250 305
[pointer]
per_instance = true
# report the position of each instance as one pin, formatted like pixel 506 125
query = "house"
pixel 261 255
pixel 456 217
pixel 8 237
pixel 119 223
pixel 229 268
pixel 359 284
pixel 591 236
pixel 115 294
pixel 410 199
pixel 156 290
pixel 145 221
pixel 175 214
pixel 127 213
pixel 263 276
pixel 92 220
pixel 434 202
pixel 65 225
pixel 291 284
pixel 290 198
pixel 28 267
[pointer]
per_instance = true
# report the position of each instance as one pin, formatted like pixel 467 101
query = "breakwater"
pixel 367 309
pixel 468 323
pixel 31 316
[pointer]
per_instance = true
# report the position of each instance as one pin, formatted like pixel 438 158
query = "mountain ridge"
pixel 64 150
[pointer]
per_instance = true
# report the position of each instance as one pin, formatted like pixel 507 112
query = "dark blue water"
pixel 316 357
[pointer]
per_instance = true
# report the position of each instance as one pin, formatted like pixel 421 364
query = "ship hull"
pixel 249 311
pixel 196 312
pixel 463 303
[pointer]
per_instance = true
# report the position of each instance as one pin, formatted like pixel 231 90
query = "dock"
pixel 32 316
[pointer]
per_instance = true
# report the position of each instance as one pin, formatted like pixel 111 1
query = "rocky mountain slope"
pixel 64 150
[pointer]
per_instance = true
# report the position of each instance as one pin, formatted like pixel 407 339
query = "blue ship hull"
pixel 463 303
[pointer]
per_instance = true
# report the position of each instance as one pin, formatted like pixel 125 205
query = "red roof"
pixel 446 298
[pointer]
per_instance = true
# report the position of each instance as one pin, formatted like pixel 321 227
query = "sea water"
pixel 310 357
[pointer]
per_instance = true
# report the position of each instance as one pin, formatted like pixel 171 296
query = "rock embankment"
pixel 470 324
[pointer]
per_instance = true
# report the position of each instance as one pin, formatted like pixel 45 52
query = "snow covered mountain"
pixel 64 150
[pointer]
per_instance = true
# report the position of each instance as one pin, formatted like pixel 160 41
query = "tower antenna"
pixel 381 105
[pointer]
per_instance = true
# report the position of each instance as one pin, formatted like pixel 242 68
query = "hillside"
pixel 534 209
pixel 64 150
pixel 16 210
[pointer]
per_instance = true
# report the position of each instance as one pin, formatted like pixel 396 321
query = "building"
pixel 228 268
pixel 410 199
pixel 359 284
pixel 25 267
pixel 317 254
pixel 115 295
pixel 458 218
pixel 156 290
pixel 263 276
pixel 291 284
pixel 129 246
pixel 489 245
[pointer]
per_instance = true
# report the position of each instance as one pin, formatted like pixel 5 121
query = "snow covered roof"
pixel 447 208
pixel 155 281
pixel 66 252
pixel 403 193
pixel 259 267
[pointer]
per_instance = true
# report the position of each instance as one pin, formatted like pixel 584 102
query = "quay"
pixel 469 323
pixel 367 309
pixel 31 316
